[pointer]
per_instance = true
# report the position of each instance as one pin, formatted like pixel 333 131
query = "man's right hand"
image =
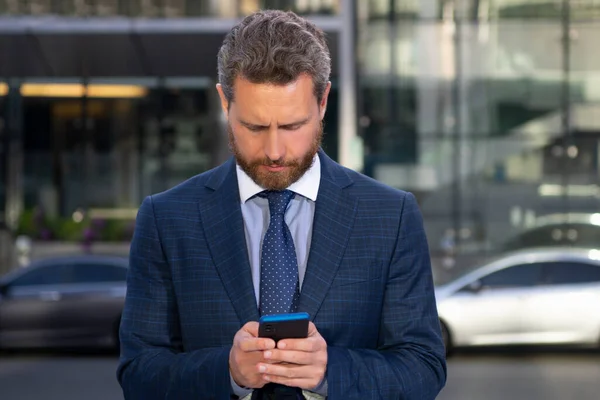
pixel 247 351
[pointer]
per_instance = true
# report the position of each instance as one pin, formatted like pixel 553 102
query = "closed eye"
pixel 256 128
pixel 288 127
pixel 293 127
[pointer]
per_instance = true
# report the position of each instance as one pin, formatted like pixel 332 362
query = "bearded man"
pixel 279 228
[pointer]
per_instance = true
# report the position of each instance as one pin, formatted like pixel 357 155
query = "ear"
pixel 323 102
pixel 224 102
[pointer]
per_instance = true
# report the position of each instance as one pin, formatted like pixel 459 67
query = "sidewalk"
pixel 54 249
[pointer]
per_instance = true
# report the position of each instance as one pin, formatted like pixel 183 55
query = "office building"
pixel 485 109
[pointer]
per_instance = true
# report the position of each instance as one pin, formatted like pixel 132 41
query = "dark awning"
pixel 118 48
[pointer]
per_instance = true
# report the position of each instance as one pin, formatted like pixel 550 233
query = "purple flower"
pixel 39 217
pixel 99 223
pixel 88 234
pixel 45 234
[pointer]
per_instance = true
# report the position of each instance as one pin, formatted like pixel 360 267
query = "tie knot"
pixel 278 200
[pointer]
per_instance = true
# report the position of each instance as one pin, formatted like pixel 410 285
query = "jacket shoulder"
pixel 191 190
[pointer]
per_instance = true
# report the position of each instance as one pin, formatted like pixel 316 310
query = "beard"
pixel 276 180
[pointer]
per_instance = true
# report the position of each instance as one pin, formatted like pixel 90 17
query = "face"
pixel 274 130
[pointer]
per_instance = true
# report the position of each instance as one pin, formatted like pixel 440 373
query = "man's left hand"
pixel 297 363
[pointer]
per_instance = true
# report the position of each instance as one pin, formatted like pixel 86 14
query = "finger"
pixel 288 371
pixel 289 356
pixel 311 344
pixel 249 343
pixel 312 329
pixel 251 327
pixel 305 376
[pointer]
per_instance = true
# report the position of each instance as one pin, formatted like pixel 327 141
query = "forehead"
pixel 298 93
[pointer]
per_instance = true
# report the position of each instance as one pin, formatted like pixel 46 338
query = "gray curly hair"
pixel 274 47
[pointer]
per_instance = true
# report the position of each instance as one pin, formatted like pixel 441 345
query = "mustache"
pixel 276 163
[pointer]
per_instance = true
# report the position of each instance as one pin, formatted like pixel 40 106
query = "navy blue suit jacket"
pixel 368 288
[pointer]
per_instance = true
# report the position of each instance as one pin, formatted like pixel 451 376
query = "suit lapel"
pixel 335 211
pixel 223 226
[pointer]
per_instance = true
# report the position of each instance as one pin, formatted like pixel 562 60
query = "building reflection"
pixel 486 110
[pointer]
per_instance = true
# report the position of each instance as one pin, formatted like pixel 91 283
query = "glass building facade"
pixel 103 102
pixel 486 109
pixel 162 8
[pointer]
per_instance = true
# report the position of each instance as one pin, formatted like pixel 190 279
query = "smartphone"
pixel 284 326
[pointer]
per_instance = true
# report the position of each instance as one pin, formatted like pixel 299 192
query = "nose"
pixel 274 148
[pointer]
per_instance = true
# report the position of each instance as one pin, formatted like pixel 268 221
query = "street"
pixel 472 376
pixel 519 376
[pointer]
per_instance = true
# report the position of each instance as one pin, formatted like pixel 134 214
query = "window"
pixel 564 273
pixel 46 275
pixel 515 276
pixel 94 273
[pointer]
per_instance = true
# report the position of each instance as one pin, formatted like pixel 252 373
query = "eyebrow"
pixel 284 126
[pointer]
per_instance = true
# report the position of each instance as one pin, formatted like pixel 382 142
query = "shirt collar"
pixel 307 185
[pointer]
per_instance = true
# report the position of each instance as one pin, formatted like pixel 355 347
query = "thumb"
pixel 312 329
pixel 251 328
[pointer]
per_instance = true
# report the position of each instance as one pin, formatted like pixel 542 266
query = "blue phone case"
pixel 284 317
pixel 284 326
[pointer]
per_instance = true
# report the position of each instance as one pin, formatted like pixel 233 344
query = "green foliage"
pixel 36 225
pixel 27 225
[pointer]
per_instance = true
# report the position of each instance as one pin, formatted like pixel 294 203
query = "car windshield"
pixel 464 266
pixel 571 234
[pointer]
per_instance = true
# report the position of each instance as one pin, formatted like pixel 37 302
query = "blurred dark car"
pixel 63 302
pixel 568 229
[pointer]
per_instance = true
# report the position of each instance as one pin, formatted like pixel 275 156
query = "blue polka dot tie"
pixel 279 285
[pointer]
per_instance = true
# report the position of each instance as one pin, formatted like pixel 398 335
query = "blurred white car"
pixel 535 296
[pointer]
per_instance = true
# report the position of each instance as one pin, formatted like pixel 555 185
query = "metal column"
pixel 567 132
pixel 6 242
pixel 11 156
pixel 347 86
pixel 14 166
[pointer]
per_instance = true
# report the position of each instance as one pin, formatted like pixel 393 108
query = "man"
pixel 279 228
